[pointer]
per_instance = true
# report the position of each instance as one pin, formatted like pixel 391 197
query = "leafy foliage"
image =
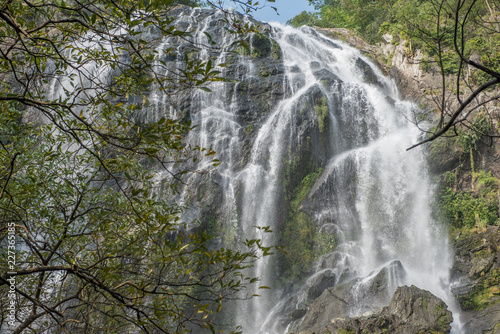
pixel 88 183
pixel 470 138
pixel 364 17
pixel 471 208
pixel 305 18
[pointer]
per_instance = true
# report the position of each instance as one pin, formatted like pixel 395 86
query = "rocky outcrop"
pixel 365 295
pixel 486 321
pixel 476 272
pixel 445 154
pixel 410 311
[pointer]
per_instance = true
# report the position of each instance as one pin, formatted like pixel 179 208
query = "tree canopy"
pixel 91 236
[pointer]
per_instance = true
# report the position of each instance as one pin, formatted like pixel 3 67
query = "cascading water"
pixel 310 104
pixel 373 194
pixel 309 134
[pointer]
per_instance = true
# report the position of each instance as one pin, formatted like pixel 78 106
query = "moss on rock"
pixel 484 294
pixel 476 264
pixel 321 109
pixel 301 192
pixel 303 243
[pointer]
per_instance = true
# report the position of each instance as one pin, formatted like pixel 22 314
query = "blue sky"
pixel 286 8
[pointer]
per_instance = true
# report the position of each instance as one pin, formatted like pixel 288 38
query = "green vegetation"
pixel 301 192
pixel 477 207
pixel 303 243
pixel 476 249
pixel 99 243
pixel 478 204
pixel 298 236
pixel 345 331
pixel 476 133
pixel 322 112
pixel 364 17
pixel 486 293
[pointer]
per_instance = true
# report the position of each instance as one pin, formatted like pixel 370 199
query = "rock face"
pixel 486 321
pixel 398 61
pixel 365 295
pixel 410 311
pixel 476 272
pixel 444 155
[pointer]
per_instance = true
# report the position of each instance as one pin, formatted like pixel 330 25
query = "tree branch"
pixel 457 113
pixel 12 161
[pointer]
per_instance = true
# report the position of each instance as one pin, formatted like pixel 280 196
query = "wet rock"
pixel 314 33
pixel 314 65
pixel 410 311
pixel 327 78
pixel 309 139
pixel 333 302
pixel 414 311
pixel 338 260
pixel 261 46
pixel 318 283
pixel 207 190
pixel 299 313
pixel 295 40
pixel 360 295
pixel 367 73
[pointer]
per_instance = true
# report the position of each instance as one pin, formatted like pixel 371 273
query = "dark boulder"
pixel 411 311
pixel 365 295
pixel 367 73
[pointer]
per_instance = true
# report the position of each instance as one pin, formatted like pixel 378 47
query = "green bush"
pixel 463 209
pixel 476 207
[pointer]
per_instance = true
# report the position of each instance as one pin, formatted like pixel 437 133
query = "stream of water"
pixel 372 194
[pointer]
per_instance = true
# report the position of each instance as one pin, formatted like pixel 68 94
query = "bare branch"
pixel 457 113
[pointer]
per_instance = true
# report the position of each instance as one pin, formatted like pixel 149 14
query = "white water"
pixel 393 190
pixel 372 194
pixel 389 216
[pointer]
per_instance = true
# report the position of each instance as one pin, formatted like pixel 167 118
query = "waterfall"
pixel 373 193
pixel 310 132
pixel 312 140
